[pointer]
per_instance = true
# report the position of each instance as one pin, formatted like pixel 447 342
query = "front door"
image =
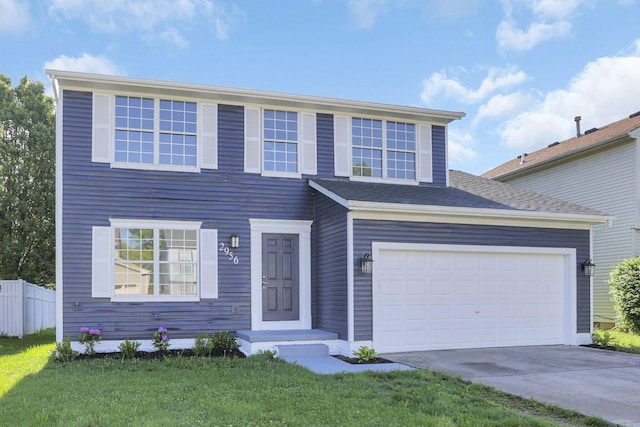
pixel 280 277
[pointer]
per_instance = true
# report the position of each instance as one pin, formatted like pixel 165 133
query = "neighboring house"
pixel 289 218
pixel 600 169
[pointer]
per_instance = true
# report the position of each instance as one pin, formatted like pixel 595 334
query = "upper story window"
pixel 154 133
pixel 383 149
pixel 166 138
pixel 280 133
pixel 279 143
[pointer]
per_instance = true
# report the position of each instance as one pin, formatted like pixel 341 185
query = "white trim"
pixel 303 230
pixel 87 81
pixel 570 336
pixel 155 223
pixel 350 280
pixel 58 215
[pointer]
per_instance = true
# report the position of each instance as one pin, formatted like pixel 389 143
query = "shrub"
pixel 365 354
pixel 64 352
pixel 161 340
pixel 624 283
pixel 128 348
pixel 602 338
pixel 223 344
pixel 202 346
pixel 88 338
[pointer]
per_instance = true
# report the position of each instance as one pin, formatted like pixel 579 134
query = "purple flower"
pixel 84 329
pixel 162 330
pixel 164 338
pixel 94 331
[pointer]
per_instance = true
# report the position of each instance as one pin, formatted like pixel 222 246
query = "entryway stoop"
pixel 251 342
pixel 298 350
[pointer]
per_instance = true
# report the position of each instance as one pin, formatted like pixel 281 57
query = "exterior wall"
pixel 330 235
pixel 605 181
pixel 367 231
pixel 94 192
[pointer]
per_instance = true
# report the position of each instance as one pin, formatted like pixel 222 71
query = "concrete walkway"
pixel 594 382
pixel 331 365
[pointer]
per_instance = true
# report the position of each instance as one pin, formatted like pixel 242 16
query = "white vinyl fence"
pixel 25 308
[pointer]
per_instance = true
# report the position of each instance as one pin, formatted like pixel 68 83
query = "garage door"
pixel 468 297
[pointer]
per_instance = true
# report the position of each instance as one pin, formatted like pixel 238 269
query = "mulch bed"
pixel 354 360
pixel 150 355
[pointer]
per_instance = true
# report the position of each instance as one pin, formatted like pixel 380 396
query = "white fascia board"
pixel 333 196
pixel 71 79
pixel 475 212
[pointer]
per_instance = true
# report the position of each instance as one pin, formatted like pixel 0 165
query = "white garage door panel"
pixel 428 300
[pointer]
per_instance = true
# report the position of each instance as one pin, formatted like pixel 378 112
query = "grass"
pixel 622 341
pixel 252 391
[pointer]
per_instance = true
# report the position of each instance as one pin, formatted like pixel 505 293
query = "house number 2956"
pixel 228 253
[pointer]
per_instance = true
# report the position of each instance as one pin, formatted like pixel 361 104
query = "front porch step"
pixel 296 350
pixel 286 335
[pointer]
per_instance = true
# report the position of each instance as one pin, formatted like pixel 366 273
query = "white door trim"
pixel 276 226
pixel 570 336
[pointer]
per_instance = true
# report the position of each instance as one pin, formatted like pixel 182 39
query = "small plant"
pixel 88 338
pixel 603 338
pixel 365 354
pixel 223 344
pixel 128 348
pixel 264 355
pixel 161 340
pixel 202 346
pixel 64 352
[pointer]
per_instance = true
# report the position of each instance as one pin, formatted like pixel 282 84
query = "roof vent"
pixel 577 119
pixel 521 157
pixel 636 114
pixel 553 144
pixel 592 130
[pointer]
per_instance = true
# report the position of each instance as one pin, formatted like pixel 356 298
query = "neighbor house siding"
pixel 605 181
pixel 330 234
pixel 367 231
pixel 439 150
pixel 222 199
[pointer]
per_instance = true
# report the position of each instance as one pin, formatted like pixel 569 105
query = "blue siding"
pixel 439 154
pixel 223 199
pixel 330 241
pixel 367 231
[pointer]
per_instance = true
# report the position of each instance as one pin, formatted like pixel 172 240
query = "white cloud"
pixel 547 20
pixel 502 105
pixel 461 147
pixel 163 20
pixel 14 16
pixel 85 63
pixel 438 84
pixel 365 12
pixel 606 90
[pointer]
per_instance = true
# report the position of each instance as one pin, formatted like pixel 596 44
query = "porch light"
pixel 588 267
pixel 366 264
pixel 234 241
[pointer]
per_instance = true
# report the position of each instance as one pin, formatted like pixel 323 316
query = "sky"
pixel 521 70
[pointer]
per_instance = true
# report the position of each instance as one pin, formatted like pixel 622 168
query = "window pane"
pixel 280 133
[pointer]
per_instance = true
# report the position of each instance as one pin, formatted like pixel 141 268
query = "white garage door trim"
pixel 569 336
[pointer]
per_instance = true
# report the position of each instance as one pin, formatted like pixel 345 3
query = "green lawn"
pixel 242 392
pixel 622 341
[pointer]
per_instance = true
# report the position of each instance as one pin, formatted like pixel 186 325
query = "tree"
pixel 27 182
pixel 624 282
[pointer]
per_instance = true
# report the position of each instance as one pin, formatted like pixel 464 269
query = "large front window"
pixel 383 149
pixel 280 141
pixel 155 261
pixel 155 131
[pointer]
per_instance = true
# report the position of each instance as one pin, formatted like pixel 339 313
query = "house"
pixel 599 169
pixel 290 218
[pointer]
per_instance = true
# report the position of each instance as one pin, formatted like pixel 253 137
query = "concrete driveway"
pixel 594 382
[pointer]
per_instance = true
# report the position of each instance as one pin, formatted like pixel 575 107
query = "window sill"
pixel 384 180
pixel 272 174
pixel 147 167
pixel 155 299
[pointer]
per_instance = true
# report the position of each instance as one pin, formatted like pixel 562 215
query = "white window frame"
pixel 254 142
pixel 104 129
pixel 103 260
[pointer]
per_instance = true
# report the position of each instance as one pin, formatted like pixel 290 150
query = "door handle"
pixel 264 285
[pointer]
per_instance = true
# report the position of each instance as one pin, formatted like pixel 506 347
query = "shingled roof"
pixel 465 191
pixel 592 138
